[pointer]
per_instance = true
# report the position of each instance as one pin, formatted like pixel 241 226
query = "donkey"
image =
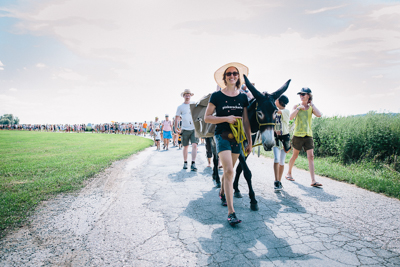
pixel 261 112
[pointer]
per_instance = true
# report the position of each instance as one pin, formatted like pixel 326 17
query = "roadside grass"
pixel 371 176
pixel 35 166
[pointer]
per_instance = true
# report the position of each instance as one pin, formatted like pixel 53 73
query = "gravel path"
pixel 148 211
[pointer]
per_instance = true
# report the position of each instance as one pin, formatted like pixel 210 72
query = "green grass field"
pixel 374 177
pixel 35 166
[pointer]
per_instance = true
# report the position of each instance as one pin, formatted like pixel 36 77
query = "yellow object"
pixel 238 133
pixel 303 123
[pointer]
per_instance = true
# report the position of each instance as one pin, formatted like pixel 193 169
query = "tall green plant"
pixel 373 137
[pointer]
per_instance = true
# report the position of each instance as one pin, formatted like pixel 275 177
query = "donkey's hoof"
pixel 237 195
pixel 254 206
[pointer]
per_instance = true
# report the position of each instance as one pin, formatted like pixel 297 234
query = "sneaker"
pixel 280 187
pixel 232 220
pixel 276 185
pixel 193 167
pixel 185 165
pixel 223 199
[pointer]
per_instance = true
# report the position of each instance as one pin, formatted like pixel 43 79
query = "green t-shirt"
pixel 303 123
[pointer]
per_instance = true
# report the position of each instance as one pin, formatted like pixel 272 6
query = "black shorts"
pixel 285 139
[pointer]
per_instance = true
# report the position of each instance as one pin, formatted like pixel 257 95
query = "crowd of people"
pixel 109 128
pixel 78 128
pixel 227 104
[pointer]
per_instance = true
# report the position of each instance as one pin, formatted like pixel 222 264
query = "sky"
pixel 97 61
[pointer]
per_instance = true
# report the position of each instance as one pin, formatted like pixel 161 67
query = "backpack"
pixel 202 129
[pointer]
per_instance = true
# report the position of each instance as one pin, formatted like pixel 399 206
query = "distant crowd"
pixel 46 127
pixel 136 128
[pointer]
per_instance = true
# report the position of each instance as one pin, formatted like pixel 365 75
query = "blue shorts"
pixel 223 145
pixel 167 135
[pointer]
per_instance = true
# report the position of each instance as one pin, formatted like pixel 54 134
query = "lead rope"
pixel 240 136
pixel 238 133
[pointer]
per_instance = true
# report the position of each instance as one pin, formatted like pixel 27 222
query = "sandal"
pixel 289 178
pixel 316 184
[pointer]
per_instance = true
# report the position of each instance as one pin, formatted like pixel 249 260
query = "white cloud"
pixel 40 65
pixel 68 74
pixel 396 88
pixel 13 89
pixel 381 95
pixel 380 76
pixel 323 9
pixel 1 66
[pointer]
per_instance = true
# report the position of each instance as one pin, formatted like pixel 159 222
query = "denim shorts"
pixel 223 145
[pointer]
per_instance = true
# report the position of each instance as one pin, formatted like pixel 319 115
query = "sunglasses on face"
pixel 230 73
pixel 303 94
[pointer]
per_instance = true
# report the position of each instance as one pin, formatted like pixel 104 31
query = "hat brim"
pixel 219 74
pixel 191 94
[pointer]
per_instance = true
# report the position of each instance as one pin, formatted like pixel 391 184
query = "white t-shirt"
pixel 283 121
pixel 187 121
pixel 156 125
pixel 158 135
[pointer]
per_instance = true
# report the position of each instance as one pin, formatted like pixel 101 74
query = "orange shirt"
pixel 145 125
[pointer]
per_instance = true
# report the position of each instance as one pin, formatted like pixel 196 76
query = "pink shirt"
pixel 167 126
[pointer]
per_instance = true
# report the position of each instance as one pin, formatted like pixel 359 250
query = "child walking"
pixel 282 140
pixel 157 137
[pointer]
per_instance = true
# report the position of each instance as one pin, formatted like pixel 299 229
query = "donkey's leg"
pixel 248 176
pixel 215 173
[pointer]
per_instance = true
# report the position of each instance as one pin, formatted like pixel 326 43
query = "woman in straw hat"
pixel 228 105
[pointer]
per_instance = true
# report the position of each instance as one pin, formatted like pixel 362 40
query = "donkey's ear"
pixel 281 90
pixel 253 90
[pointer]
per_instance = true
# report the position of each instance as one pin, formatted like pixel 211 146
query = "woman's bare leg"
pixel 228 161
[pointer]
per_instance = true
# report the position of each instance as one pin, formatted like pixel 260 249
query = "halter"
pixel 262 124
pixel 258 136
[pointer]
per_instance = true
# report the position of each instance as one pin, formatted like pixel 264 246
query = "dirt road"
pixel 148 211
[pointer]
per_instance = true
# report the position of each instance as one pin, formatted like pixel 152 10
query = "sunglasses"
pixel 230 73
pixel 302 94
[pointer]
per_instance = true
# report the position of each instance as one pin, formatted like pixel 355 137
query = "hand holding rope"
pixel 238 133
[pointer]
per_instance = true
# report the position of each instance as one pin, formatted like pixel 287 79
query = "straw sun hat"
pixel 187 91
pixel 219 74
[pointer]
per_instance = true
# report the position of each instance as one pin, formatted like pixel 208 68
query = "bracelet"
pixel 297 108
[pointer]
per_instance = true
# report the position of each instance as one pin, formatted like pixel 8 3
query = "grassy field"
pixel 35 166
pixel 374 177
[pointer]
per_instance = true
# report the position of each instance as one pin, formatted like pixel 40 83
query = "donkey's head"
pixel 265 111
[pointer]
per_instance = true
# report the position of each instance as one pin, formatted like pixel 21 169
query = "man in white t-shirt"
pixel 187 131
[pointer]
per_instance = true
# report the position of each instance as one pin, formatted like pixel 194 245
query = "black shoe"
pixel 223 199
pixel 276 185
pixel 232 220
pixel 185 165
